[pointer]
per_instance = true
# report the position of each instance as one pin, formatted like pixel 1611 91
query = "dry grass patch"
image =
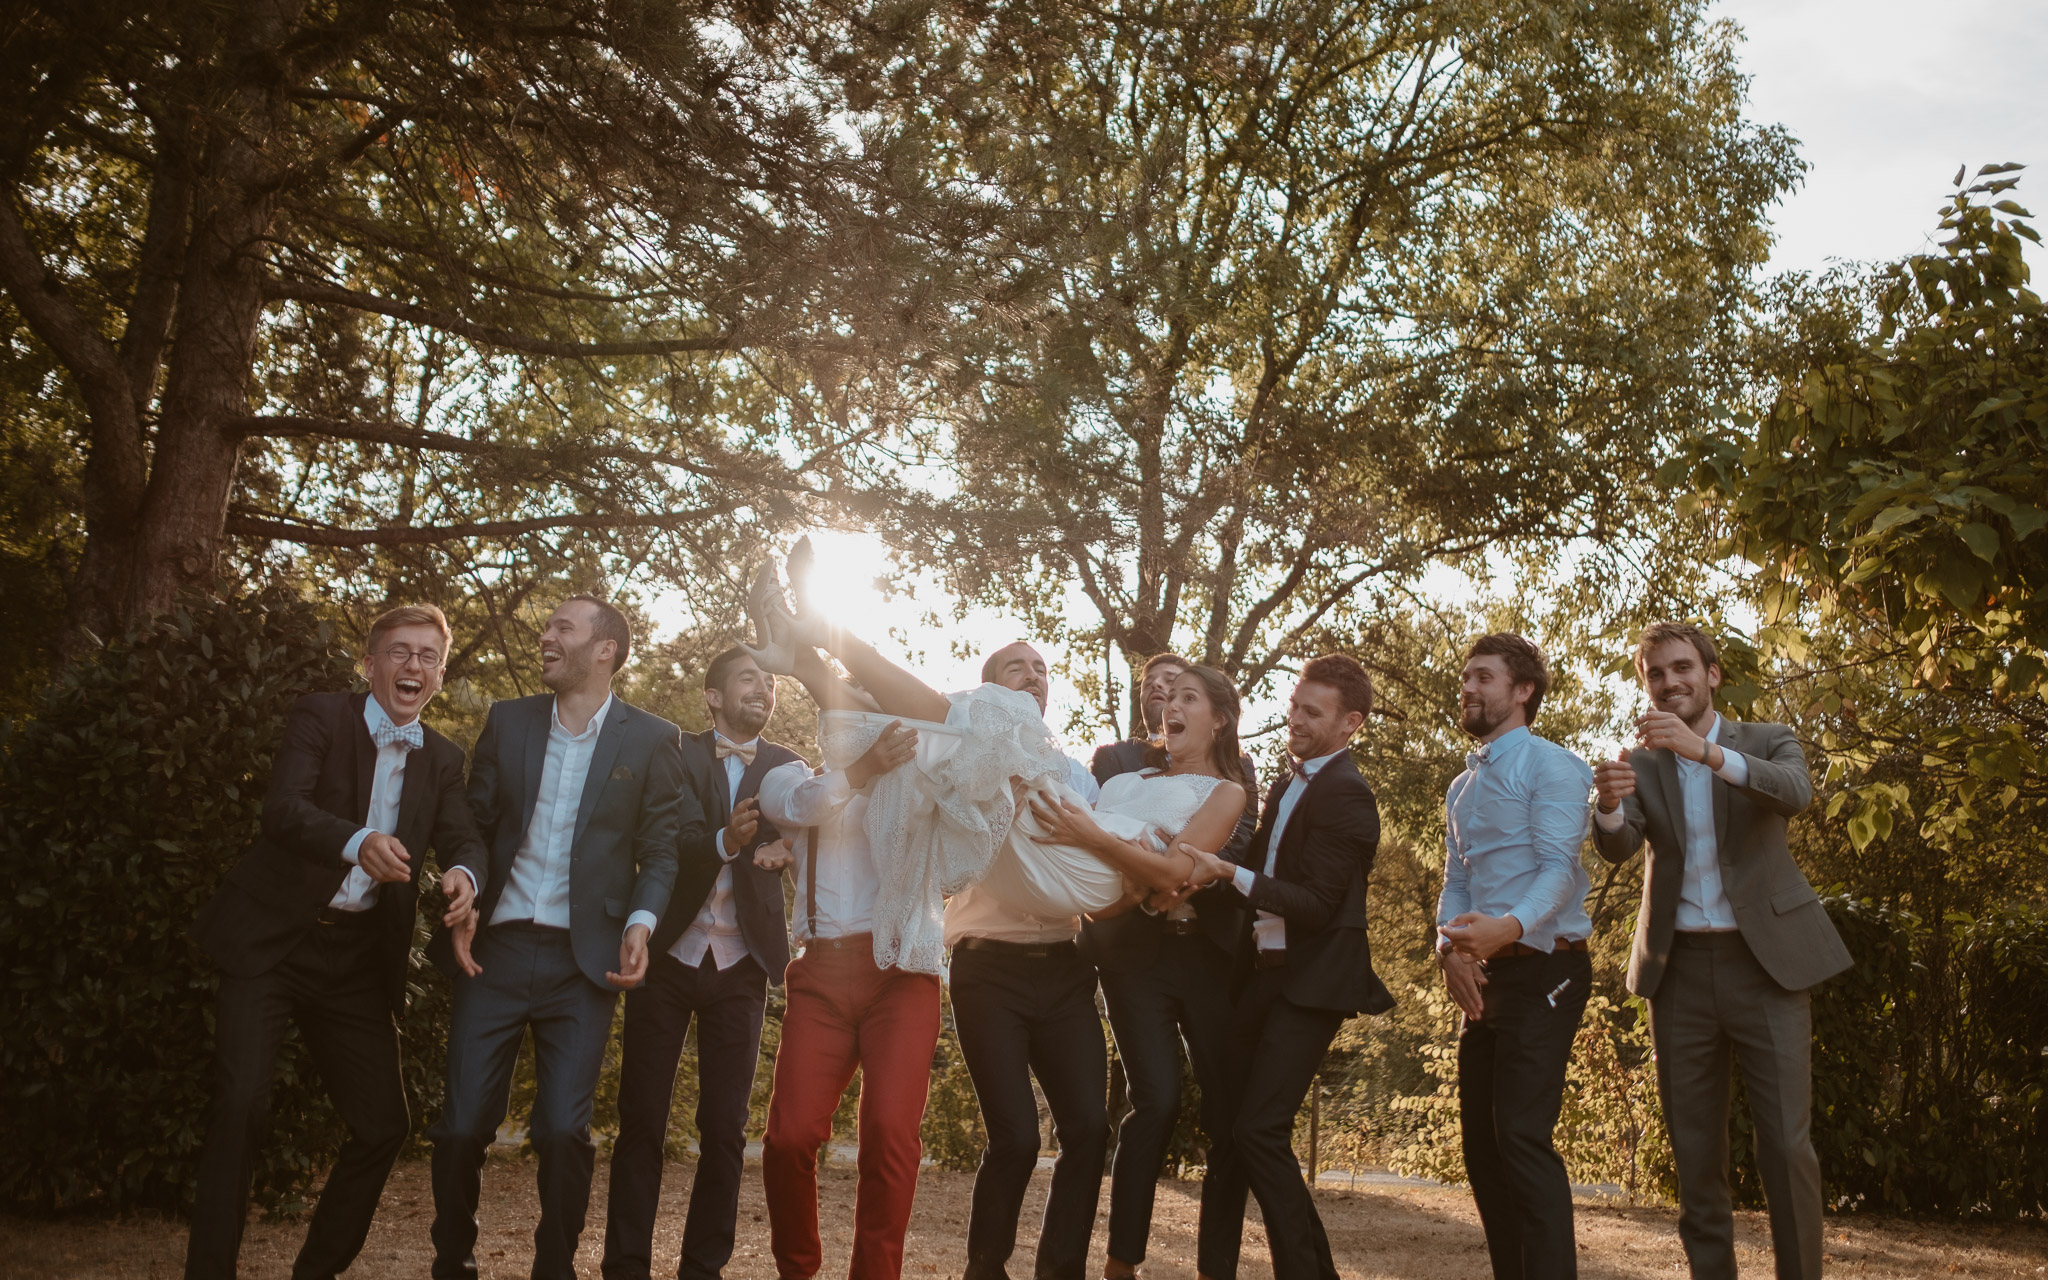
pixel 1378 1234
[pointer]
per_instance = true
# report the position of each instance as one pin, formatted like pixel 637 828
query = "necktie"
pixel 725 746
pixel 408 736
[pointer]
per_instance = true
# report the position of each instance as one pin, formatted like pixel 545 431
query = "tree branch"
pixel 327 295
pixel 247 525
pixel 407 437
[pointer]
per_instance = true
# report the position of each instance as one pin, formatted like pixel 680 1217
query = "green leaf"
pixel 1982 539
pixel 2026 521
pixel 1892 516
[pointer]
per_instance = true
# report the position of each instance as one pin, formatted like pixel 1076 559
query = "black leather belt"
pixel 336 916
pixel 1271 958
pixel 1186 927
pixel 1027 950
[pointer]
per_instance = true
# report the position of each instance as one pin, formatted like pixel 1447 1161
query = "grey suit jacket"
pixel 634 812
pixel 1776 910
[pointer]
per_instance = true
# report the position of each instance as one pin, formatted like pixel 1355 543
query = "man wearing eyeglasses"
pixel 314 927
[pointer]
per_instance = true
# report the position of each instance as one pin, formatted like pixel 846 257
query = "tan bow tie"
pixel 725 746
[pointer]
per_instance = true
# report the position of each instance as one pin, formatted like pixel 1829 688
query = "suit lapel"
pixel 412 792
pixel 365 752
pixel 721 799
pixel 1255 852
pixel 536 758
pixel 610 738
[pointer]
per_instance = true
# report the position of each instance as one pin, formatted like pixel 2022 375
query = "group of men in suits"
pixel 1729 940
pixel 592 848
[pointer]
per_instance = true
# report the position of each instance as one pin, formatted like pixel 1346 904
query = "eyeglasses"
pixel 401 655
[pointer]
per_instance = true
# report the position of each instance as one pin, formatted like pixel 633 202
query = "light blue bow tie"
pixel 1473 759
pixel 408 736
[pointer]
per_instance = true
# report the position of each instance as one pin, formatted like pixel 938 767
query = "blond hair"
pixel 410 615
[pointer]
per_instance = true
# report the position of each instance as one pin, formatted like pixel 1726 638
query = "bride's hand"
pixel 1162 901
pixel 1209 868
pixel 1063 822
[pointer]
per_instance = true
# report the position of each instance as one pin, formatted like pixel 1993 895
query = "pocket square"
pixel 622 774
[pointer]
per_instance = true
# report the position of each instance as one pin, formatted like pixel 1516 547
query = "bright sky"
pixel 1886 98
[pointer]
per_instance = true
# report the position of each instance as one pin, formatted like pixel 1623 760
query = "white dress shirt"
pixel 717 926
pixel 1703 905
pixel 974 913
pixel 537 886
pixel 358 891
pixel 1269 931
pixel 793 798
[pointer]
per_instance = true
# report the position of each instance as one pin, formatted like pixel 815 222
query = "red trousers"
pixel 842 1013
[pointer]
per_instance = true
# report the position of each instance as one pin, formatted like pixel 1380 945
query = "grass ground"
pixel 1417 1233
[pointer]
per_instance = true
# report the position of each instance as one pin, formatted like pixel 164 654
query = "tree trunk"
pixel 220 303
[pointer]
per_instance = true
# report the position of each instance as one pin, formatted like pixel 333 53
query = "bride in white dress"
pixel 985 800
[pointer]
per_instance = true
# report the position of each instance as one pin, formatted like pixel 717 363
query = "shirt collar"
pixel 754 741
pixel 1714 734
pixel 374 714
pixel 596 721
pixel 1505 745
pixel 1312 767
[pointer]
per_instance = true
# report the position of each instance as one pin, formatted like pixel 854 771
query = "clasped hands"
pixel 1615 780
pixel 1465 944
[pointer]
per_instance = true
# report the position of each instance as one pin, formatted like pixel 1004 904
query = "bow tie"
pixel 1473 759
pixel 1295 767
pixel 725 746
pixel 408 736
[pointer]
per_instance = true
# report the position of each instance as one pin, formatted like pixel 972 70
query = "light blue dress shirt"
pixel 1514 823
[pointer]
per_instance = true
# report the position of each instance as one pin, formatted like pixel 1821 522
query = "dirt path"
pixel 1412 1233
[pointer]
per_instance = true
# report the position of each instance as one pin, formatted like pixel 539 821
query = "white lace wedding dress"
pixel 956 816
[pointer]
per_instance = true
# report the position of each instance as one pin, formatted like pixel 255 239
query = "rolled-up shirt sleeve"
pixel 1734 769
pixel 792 797
pixel 1557 831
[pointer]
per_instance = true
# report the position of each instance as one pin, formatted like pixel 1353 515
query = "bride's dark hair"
pixel 1224 752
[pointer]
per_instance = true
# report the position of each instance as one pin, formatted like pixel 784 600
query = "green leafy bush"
pixel 1930 1071
pixel 136 785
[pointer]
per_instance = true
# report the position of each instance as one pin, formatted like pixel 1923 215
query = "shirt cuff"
pixel 718 842
pixel 1609 821
pixel 468 875
pixel 1734 768
pixel 647 918
pixel 1244 879
pixel 352 852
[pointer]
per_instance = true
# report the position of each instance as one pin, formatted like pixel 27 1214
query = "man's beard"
pixel 571 671
pixel 749 719
pixel 1155 718
pixel 1481 720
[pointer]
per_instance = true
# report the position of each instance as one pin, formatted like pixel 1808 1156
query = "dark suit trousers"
pixel 1511 1075
pixel 1020 1015
pixel 331 986
pixel 530 979
pixel 1715 1008
pixel 728 1006
pixel 1184 996
pixel 1276 1048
